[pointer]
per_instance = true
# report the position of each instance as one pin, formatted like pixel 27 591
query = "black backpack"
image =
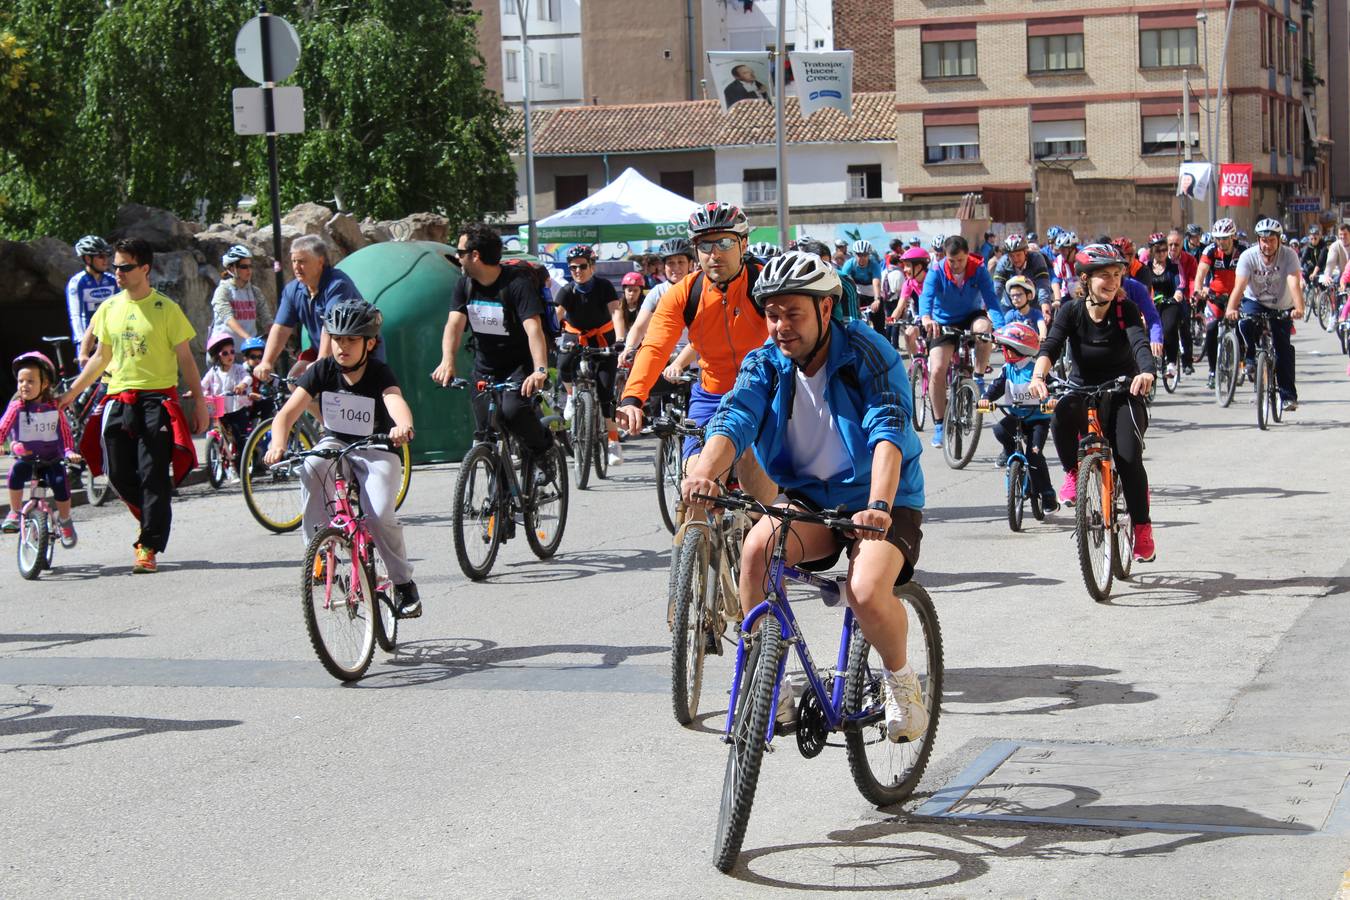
pixel 752 270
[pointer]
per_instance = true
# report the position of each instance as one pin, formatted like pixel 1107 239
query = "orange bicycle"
pixel 1103 530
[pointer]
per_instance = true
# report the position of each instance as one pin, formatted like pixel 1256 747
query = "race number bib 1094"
pixel 487 317
pixel 39 426
pixel 349 413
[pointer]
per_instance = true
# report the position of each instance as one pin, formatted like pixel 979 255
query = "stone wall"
pixel 1095 206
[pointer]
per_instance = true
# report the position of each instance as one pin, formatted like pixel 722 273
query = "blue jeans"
pixel 702 405
pixel 1280 330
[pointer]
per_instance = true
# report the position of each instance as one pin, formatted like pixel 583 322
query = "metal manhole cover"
pixel 1151 789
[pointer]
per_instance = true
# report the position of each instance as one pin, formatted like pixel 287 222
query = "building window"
pixel 512 67
pixel 1265 124
pixel 548 10
pixel 1055 53
pixel 548 69
pixel 1162 47
pixel 864 182
pixel 949 59
pixel 761 186
pixel 951 143
pixel 1059 140
pixel 1162 134
pixel 569 190
pixel 818 44
pixel 681 183
pixel 508 7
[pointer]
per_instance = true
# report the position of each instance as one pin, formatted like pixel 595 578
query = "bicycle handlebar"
pixel 1063 387
pixel 334 452
pixel 837 518
pixel 949 331
pixel 1280 315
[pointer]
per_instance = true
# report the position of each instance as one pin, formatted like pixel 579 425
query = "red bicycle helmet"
pixel 1018 340
pixel 633 278
pixel 1097 256
pixel 1156 238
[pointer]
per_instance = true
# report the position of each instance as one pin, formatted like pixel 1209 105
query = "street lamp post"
pixel 1202 20
pixel 1218 105
pixel 522 10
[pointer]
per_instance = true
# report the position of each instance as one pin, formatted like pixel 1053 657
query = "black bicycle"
pixel 671 428
pixel 1268 406
pixel 961 427
pixel 492 497
pixel 78 414
pixel 588 426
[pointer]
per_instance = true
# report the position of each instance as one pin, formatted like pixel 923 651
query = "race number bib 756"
pixel 348 413
pixel 39 426
pixel 487 317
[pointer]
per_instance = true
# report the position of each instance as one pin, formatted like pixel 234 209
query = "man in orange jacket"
pixel 714 303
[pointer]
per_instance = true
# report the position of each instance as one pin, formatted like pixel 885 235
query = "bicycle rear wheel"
pixel 338 605
pixel 961 434
pixel 918 392
pixel 382 588
pixel 1326 312
pixel 546 508
pixel 405 461
pixel 215 466
pixel 668 466
pixel 583 437
pixel 748 740
pixel 688 639
pixel 1226 368
pixel 1171 377
pixel 272 496
pixel 99 488
pixel 34 538
pixel 1095 547
pixel 1122 532
pixel 479 509
pixel 886 771
pixel 1016 493
pixel 600 456
pixel 1263 390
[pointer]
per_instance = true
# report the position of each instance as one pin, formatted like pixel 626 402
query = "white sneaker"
pixel 233 475
pixel 569 407
pixel 906 717
pixel 1171 370
pixel 615 453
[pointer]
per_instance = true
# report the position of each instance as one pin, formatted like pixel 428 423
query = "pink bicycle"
pixel 221 453
pixel 39 529
pixel 346 594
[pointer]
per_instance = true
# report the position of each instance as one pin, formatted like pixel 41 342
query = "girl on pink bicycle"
pixel 39 431
pixel 229 382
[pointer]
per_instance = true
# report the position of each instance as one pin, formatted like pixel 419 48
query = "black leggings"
pixel 1173 317
pixel 604 368
pixel 519 414
pixel 1123 430
pixel 1004 431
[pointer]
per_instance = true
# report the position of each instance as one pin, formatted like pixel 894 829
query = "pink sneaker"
pixel 1068 492
pixel 1144 551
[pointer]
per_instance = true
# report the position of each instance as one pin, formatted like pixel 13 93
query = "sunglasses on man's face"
pixel 126 267
pixel 721 245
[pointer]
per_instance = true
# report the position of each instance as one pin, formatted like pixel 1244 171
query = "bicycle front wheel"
pixel 273 496
pixel 1264 389
pixel 34 537
pixel 1226 367
pixel 1016 493
pixel 668 466
pixel 887 771
pixel 546 509
pixel 478 512
pixel 338 605
pixel 405 461
pixel 1171 377
pixel 583 436
pixel 961 434
pixel 749 738
pixel 1326 313
pixel 1095 547
pixel 688 639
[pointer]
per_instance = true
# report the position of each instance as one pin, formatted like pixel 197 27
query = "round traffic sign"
pixel 284 48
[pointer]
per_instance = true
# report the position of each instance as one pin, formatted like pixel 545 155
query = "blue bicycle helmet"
pixel 253 343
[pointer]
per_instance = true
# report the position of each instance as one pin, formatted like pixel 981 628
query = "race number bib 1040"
pixel 349 413
pixel 1019 395
pixel 487 317
pixel 39 426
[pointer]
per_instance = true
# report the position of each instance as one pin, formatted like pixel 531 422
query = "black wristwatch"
pixel 880 506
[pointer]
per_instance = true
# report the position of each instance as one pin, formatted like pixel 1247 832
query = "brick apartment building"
pixel 992 95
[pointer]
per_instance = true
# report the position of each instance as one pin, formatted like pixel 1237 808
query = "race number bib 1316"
pixel 39 426
pixel 348 413
pixel 487 317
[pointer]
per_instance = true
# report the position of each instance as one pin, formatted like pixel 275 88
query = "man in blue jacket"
pixel 958 293
pixel 827 408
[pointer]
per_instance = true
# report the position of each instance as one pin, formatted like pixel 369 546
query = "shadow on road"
pixel 1194 495
pixel 914 854
pixel 430 661
pixel 1185 588
pixel 574 566
pixel 971 580
pixel 1060 687
pixel 52 641
pixel 59 732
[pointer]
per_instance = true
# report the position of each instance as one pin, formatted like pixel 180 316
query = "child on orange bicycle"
pixel 39 432
pixel 231 382
pixel 359 396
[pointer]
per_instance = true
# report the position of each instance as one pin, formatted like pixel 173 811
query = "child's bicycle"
pixel 1017 475
pixel 853 703
pixel 221 454
pixel 39 526
pixel 345 592
pixel 919 382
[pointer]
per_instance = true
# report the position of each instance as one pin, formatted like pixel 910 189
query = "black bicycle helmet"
pixel 581 251
pixel 355 318
pixel 716 216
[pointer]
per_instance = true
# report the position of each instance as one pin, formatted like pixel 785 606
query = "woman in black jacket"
pixel 1108 340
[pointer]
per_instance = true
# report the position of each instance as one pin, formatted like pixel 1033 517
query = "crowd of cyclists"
pixel 805 365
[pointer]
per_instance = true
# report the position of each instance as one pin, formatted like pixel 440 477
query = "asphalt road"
pixel 174 734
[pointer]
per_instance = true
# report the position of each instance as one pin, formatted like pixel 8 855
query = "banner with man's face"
pixel 741 76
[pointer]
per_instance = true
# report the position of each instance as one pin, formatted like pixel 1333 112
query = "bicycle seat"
pixel 56 339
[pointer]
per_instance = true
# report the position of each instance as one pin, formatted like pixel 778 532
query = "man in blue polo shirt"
pixel 304 301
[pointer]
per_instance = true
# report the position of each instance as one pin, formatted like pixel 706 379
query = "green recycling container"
pixel 411 282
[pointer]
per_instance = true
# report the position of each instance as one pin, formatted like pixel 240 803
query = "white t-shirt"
pixel 1269 284
pixel 812 434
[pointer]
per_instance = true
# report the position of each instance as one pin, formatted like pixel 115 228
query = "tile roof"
pixel 701 124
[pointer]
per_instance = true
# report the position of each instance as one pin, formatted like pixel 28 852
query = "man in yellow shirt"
pixel 143 336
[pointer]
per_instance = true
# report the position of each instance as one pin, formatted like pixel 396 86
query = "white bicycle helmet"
pixel 234 254
pixel 764 251
pixel 796 272
pixel 861 247
pixel 1014 242
pixel 1224 228
pixel 1268 227
pixel 92 245
pixel 717 216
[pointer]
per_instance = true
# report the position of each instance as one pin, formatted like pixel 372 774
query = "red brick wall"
pixel 864 26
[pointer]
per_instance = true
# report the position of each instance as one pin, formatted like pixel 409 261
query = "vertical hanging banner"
pixel 741 76
pixel 1193 180
pixel 823 79
pixel 1235 184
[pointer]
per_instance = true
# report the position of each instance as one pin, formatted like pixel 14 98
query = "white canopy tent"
pixel 629 208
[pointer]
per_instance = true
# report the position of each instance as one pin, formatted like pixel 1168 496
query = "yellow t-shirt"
pixel 142 335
